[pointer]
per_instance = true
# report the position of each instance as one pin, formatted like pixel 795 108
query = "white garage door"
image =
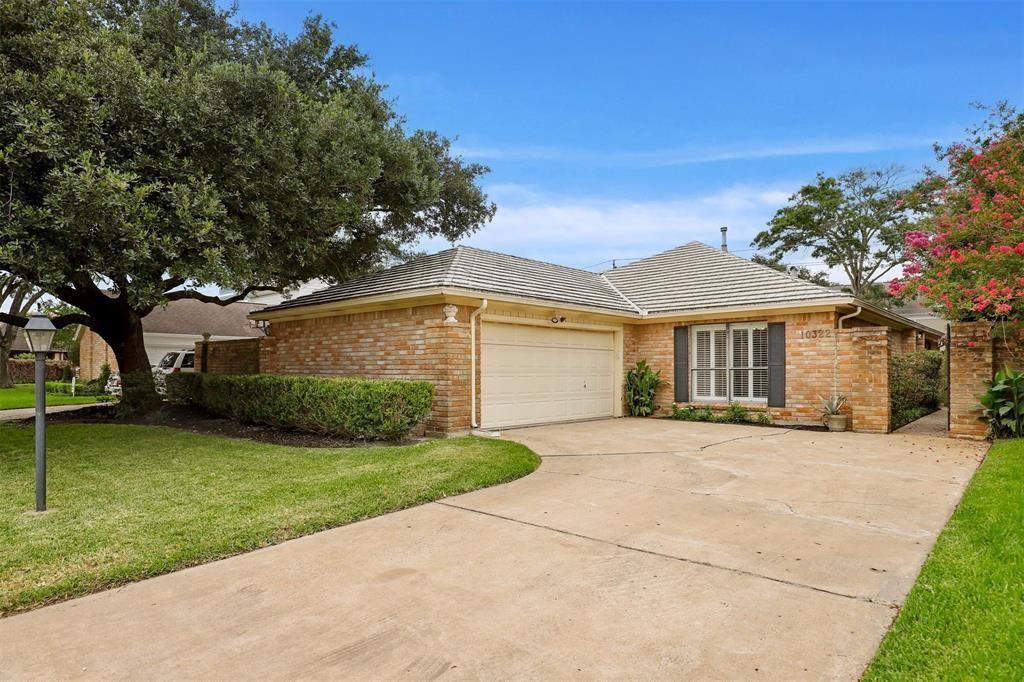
pixel 533 375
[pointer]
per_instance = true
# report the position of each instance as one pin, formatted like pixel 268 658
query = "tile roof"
pixel 469 268
pixel 696 276
pixel 689 277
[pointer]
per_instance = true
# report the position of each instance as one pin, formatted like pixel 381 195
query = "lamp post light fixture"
pixel 39 333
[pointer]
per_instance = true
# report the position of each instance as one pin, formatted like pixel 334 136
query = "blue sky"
pixel 617 130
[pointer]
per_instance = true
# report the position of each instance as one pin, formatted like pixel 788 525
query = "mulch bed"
pixel 197 421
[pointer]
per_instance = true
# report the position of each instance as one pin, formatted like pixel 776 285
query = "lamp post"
pixel 39 333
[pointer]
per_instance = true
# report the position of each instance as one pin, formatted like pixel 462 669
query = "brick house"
pixel 174 327
pixel 509 341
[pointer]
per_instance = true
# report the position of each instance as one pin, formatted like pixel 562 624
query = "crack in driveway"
pixel 873 528
pixel 699 448
pixel 697 562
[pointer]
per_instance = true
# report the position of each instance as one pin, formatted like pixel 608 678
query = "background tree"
pixel 967 260
pixel 16 297
pixel 799 271
pixel 855 222
pixel 153 148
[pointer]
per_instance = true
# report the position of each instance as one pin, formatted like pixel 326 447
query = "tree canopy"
pixel 799 271
pixel 151 148
pixel 855 222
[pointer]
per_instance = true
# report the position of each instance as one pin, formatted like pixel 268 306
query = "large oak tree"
pixel 855 222
pixel 153 148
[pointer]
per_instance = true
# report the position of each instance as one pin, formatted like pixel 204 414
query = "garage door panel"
pixel 532 375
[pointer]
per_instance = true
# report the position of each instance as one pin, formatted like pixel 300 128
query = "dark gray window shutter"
pixel 776 364
pixel 681 378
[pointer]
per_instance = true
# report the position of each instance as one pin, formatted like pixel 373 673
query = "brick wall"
pixel 974 358
pixel 864 354
pixel 409 343
pixel 812 343
pixel 810 346
pixel 236 356
pixel 93 353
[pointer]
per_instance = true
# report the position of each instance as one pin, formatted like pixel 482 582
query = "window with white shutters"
pixel 730 362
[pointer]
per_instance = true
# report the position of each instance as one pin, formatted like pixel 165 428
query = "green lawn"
pixel 22 395
pixel 964 618
pixel 135 501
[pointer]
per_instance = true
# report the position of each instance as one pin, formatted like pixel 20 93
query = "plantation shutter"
pixel 776 364
pixel 682 364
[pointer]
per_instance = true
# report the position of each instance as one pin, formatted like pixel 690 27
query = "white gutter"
pixel 472 361
pixel 835 355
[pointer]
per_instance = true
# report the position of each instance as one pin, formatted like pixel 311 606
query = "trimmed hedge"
pixel 916 385
pixel 356 408
pixel 81 388
pixel 24 371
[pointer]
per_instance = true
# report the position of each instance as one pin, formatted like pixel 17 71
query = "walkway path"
pixel 29 412
pixel 934 424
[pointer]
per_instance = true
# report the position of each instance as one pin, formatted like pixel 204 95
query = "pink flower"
pixel 916 240
pixel 897 288
pixel 972 344
pixel 1003 309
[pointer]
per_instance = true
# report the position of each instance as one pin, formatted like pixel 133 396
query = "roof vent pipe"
pixel 725 243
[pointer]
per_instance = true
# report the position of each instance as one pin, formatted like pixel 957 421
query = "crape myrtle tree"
pixel 150 149
pixel 855 222
pixel 967 258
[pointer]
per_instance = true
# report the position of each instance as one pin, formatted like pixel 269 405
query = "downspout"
pixel 835 360
pixel 472 361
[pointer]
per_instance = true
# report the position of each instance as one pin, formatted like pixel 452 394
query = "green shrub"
pixel 81 388
pixel 916 385
pixel 184 388
pixel 641 384
pixel 356 408
pixel 103 378
pixel 1004 404
pixel 735 413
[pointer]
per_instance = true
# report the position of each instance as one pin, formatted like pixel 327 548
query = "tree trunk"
pixel 5 369
pixel 7 337
pixel 124 335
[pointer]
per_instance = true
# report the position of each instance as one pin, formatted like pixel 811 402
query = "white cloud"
pixel 680 157
pixel 582 231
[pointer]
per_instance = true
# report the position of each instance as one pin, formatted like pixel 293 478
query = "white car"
pixel 177 361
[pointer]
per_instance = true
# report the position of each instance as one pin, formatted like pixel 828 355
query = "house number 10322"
pixel 815 333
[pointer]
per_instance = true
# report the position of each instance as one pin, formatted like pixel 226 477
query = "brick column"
pixel 970 366
pixel 864 377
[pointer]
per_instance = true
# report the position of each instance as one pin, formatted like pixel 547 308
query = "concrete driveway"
pixel 640 549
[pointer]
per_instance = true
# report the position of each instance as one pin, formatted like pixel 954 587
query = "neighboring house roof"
pixel 916 311
pixel 696 276
pixel 192 317
pixel 469 268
